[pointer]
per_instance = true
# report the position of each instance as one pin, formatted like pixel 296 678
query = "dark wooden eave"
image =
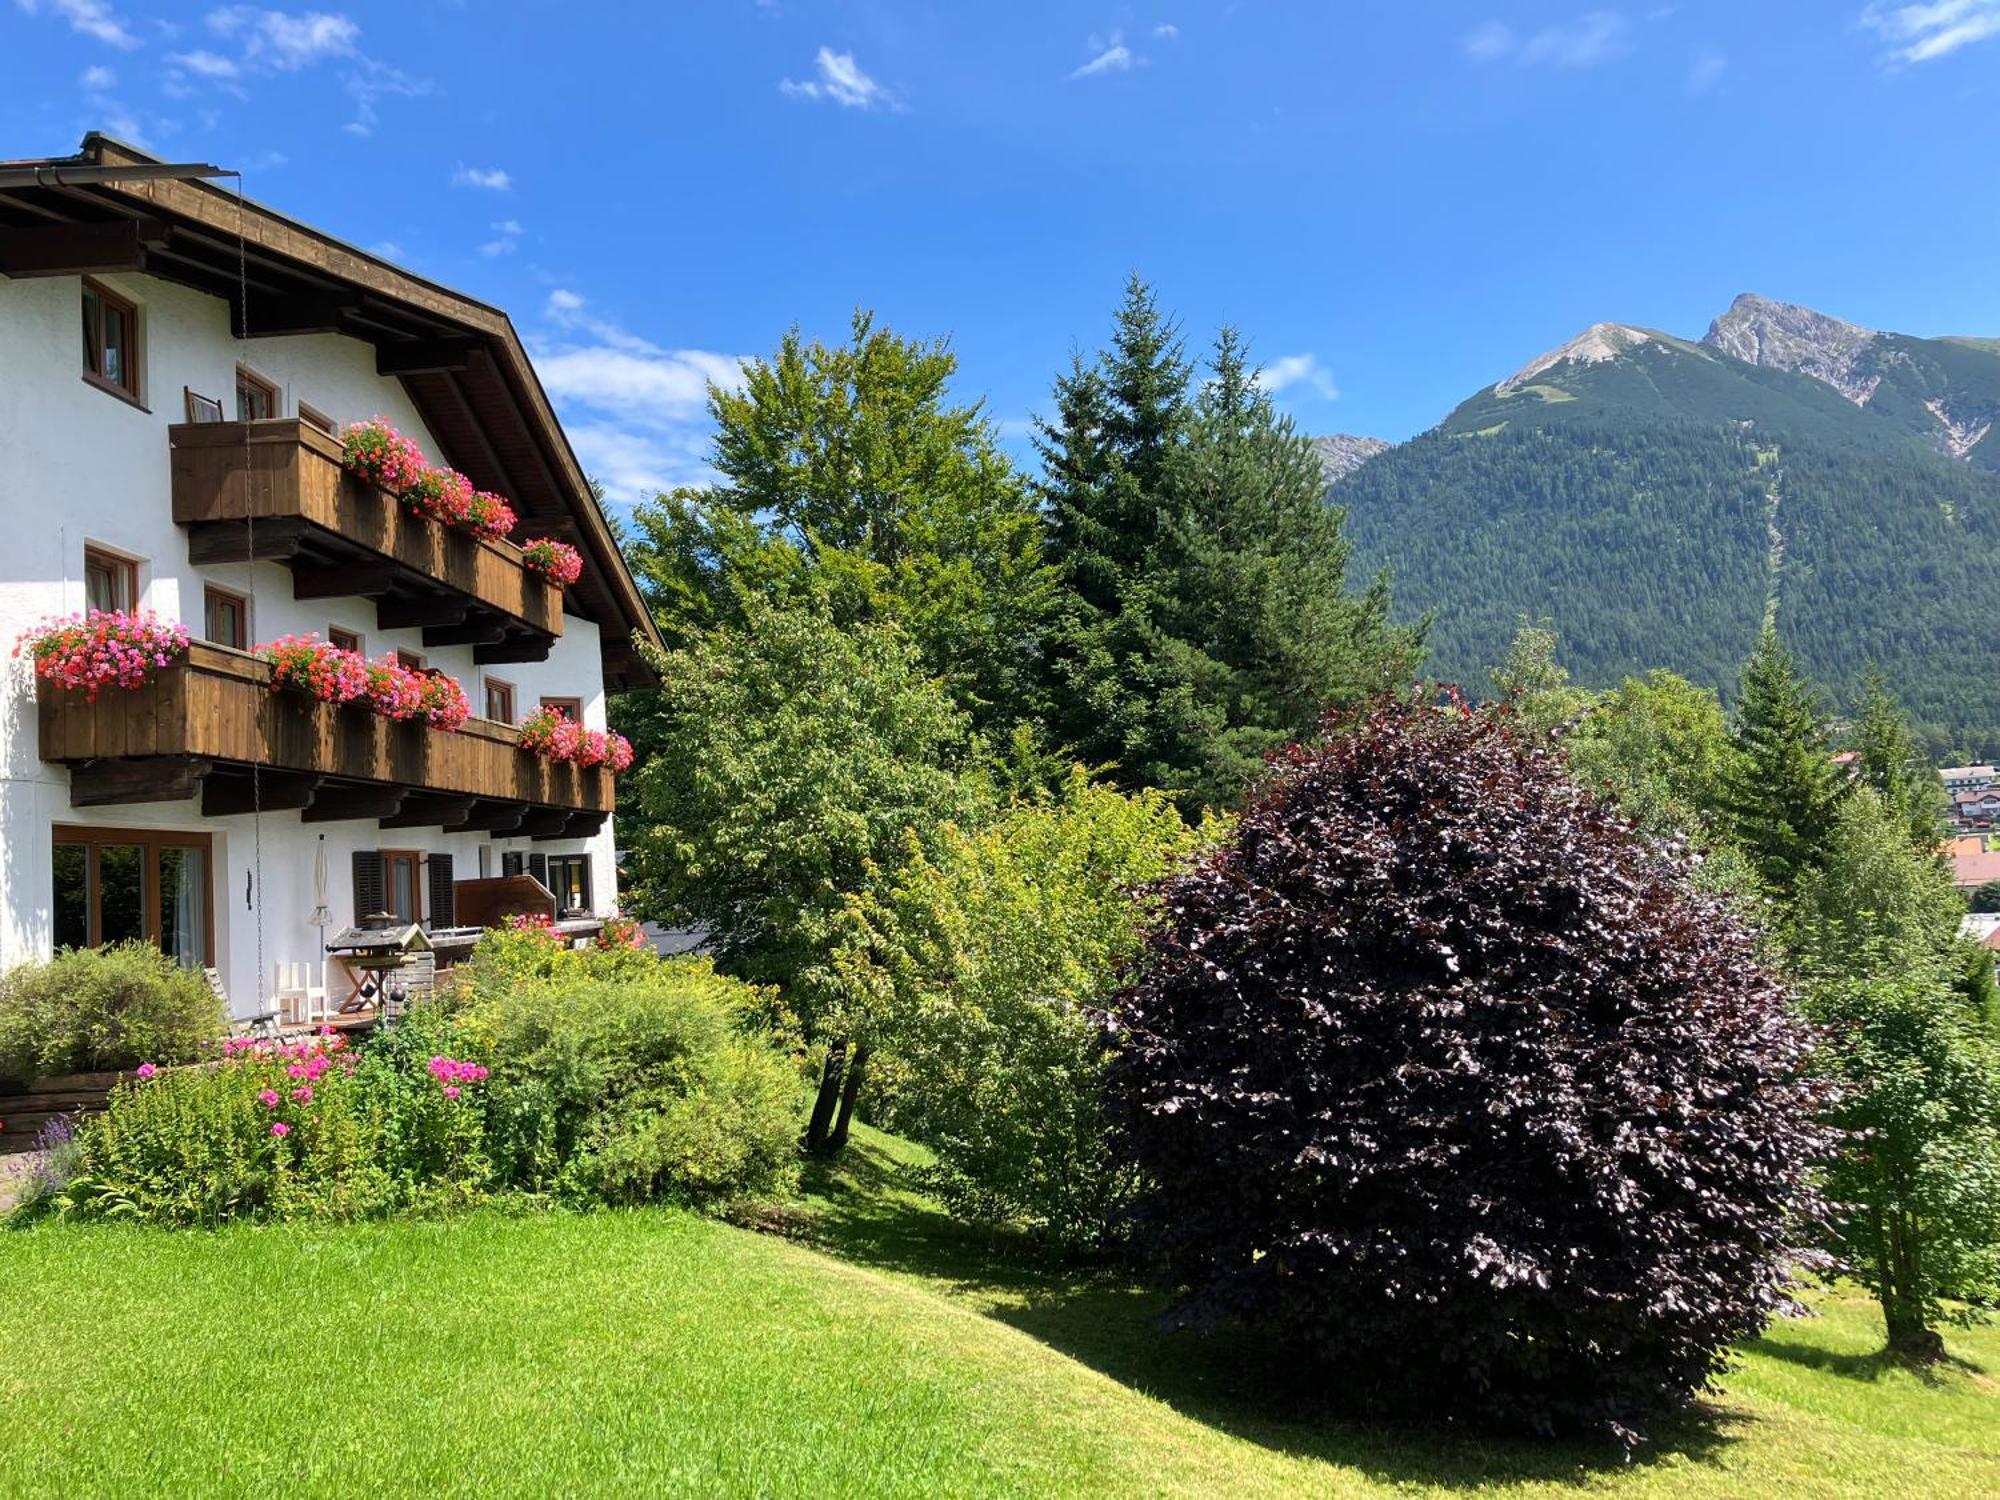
pixel 460 360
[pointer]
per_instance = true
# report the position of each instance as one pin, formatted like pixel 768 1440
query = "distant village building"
pixel 1968 778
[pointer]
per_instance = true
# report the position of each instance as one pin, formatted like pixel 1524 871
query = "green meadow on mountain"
pixel 1659 498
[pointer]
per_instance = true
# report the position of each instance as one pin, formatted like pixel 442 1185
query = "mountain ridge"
pixel 1629 483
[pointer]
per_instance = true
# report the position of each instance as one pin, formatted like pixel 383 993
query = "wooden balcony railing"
pixel 202 724
pixel 276 490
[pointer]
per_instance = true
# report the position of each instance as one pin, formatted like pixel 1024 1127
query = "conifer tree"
pixel 1783 790
pixel 1895 766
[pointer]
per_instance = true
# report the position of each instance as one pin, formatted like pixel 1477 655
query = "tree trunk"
pixel 821 1126
pixel 848 1095
pixel 1910 1339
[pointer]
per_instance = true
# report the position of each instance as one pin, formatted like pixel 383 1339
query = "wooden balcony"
pixel 199 727
pixel 276 490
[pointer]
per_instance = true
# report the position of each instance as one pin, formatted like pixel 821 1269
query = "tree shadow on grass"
pixel 1869 1367
pixel 867 1212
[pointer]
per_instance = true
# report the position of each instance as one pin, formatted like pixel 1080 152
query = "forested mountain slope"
pixel 1657 497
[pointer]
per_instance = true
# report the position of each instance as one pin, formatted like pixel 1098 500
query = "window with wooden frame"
pixel 225 618
pixel 409 661
pixel 114 884
pixel 570 708
pixel 341 636
pixel 256 397
pixel 110 582
pixel 499 701
pixel 569 879
pixel 313 416
pixel 110 341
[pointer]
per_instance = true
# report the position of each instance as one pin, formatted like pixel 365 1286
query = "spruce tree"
pixel 1207 617
pixel 1783 791
pixel 1891 762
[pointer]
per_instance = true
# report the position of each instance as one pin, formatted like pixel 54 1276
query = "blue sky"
pixel 1398 202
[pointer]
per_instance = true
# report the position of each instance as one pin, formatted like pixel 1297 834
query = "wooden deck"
pixel 202 724
pixel 276 489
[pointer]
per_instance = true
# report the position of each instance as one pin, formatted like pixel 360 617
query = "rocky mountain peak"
pixel 1594 346
pixel 1340 454
pixel 1785 336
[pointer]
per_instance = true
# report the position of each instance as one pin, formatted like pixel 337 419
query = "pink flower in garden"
pixel 280 1129
pixel 296 1070
pixel 303 1094
pixel 145 1070
pixel 450 1092
pixel 269 1098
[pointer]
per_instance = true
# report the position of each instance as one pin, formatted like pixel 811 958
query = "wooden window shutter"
pixel 538 866
pixel 512 862
pixel 444 908
pixel 370 887
pixel 583 870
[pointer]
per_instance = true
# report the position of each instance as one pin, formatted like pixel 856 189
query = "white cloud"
pixel 206 64
pixel 636 412
pixel 1109 54
pixel 1489 42
pixel 491 178
pixel 283 41
pixel 842 82
pixel 507 235
pixel 1166 31
pixel 1925 32
pixel 91 18
pixel 1595 37
pixel 386 250
pixel 98 78
pixel 371 80
pixel 1298 369
pixel 1706 72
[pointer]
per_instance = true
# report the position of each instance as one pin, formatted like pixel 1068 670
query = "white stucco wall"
pixel 80 466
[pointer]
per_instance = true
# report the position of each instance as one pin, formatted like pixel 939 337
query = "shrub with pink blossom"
pixel 103 648
pixel 320 669
pixel 441 702
pixel 621 931
pixel 393 690
pixel 376 451
pixel 556 561
pixel 487 514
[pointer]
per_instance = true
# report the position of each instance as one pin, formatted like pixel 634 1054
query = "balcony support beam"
pixel 494 817
pixel 424 356
pixel 338 580
pixel 402 614
pixel 79 249
pixel 543 823
pixel 474 632
pixel 427 810
pixel 578 826
pixel 518 648
pixel 160 778
pixel 338 804
pixel 271 791
pixel 272 540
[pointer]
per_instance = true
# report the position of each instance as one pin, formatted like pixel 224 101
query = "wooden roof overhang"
pixel 461 361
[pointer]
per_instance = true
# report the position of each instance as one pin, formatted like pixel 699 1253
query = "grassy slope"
pixel 657 1353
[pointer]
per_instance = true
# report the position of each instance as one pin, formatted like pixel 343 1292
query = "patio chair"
pixel 263 1023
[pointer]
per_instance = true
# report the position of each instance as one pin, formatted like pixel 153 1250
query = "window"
pixel 409 661
pixel 570 708
pixel 256 397
pixel 400 875
pixel 110 582
pixel 112 884
pixel 110 341
pixel 313 416
pixel 499 701
pixel 341 636
pixel 569 879
pixel 226 618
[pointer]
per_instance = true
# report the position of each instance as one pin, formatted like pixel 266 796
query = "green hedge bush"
pixel 90 1010
pixel 623 1083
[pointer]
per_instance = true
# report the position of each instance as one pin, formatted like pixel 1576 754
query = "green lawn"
pixel 895 1354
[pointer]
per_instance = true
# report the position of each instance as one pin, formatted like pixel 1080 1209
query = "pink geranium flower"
pixel 280 1129
pixel 145 1070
